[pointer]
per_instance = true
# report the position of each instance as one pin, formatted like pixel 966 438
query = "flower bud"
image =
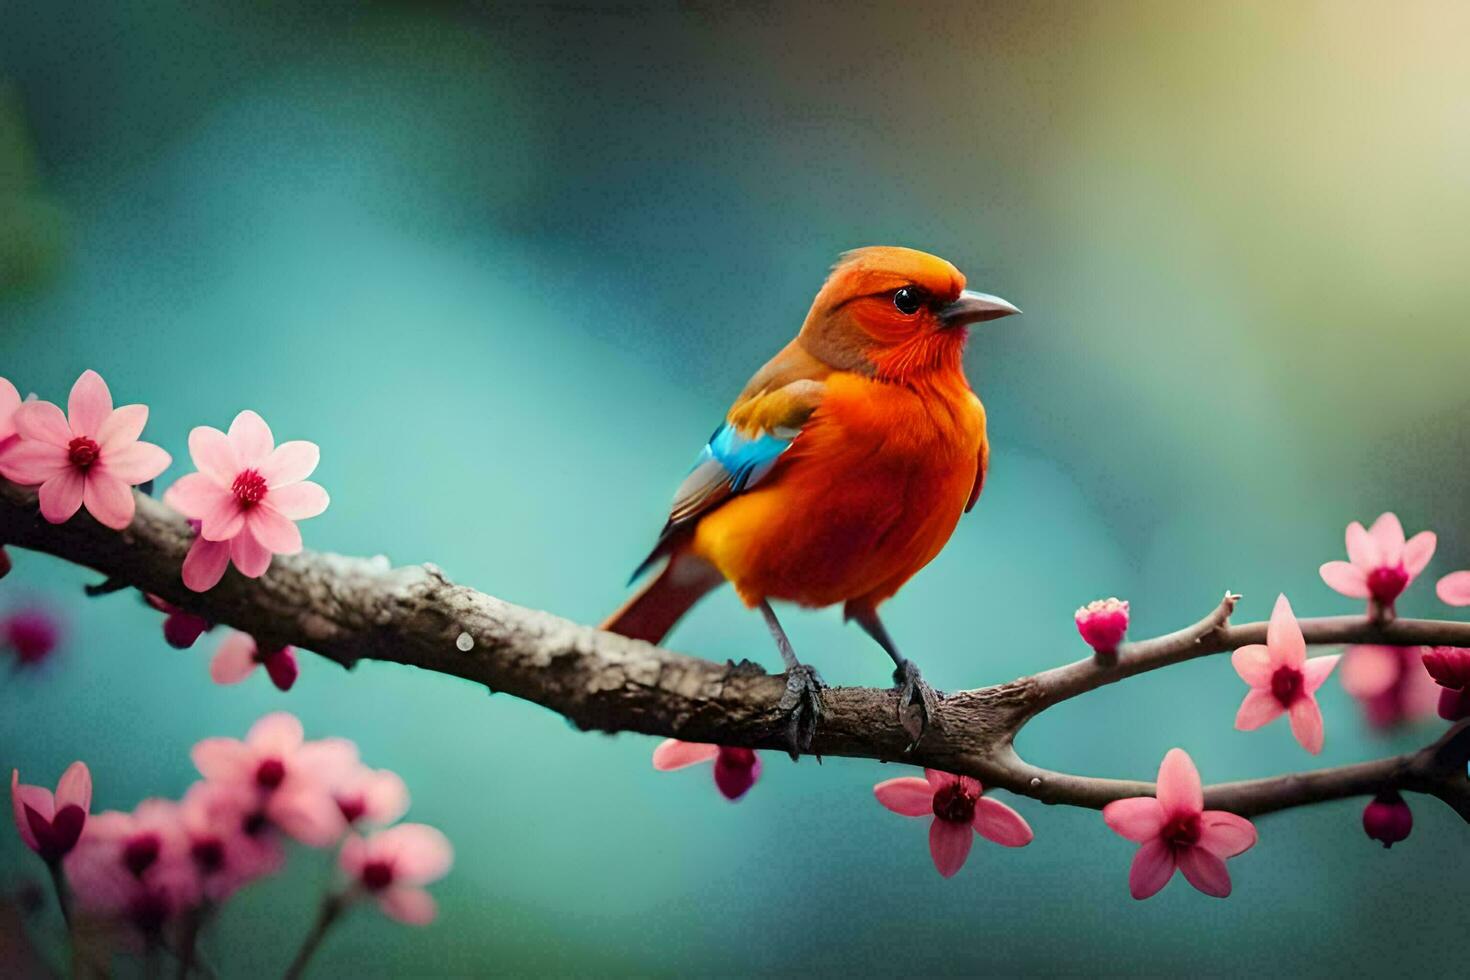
pixel 1387 818
pixel 1450 668
pixel 31 635
pixel 1103 623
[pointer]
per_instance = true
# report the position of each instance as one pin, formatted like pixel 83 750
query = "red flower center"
pixel 1182 831
pixel 254 824
pixel 140 852
pixel 56 837
pixel 270 773
pixel 352 807
pixel 1286 685
pixel 82 452
pixel 377 875
pixel 1387 583
pixel 954 803
pixel 208 854
pixel 249 488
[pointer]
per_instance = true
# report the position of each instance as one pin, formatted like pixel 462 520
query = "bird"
pixel 841 470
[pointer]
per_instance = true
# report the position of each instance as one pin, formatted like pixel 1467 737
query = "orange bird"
pixel 840 471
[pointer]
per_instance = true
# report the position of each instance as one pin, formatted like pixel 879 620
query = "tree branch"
pixel 349 609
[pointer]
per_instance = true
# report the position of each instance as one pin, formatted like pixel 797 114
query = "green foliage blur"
pixel 508 264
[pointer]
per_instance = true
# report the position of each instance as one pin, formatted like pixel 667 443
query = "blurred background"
pixel 509 264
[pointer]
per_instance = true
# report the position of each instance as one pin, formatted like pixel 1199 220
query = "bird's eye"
pixel 908 300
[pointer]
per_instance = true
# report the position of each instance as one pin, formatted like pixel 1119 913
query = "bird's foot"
pixel 918 705
pixel 803 704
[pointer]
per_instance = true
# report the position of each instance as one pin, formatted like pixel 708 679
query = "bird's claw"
pixel 918 704
pixel 802 703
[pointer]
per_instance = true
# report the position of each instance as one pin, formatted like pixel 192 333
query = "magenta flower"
pixel 370 797
pixel 239 654
pixel 1283 680
pixel 1450 669
pixel 1390 684
pixel 1103 623
pixel 51 824
pixel 32 635
pixel 135 866
pixel 9 402
pixel 736 769
pixel 1175 831
pixel 1387 818
pixel 248 493
pixel 1454 589
pixel 1381 563
pixel 180 628
pixel 393 865
pixel 288 778
pixel 959 810
pixel 89 456
pixel 228 843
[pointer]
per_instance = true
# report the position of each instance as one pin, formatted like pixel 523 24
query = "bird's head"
pixel 895 313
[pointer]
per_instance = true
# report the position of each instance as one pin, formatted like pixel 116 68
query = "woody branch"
pixel 352 609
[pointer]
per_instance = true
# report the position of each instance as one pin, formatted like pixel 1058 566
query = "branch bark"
pixel 350 609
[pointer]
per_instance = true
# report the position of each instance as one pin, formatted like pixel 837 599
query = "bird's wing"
pixel 981 465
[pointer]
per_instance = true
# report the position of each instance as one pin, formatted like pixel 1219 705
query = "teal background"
pixel 509 265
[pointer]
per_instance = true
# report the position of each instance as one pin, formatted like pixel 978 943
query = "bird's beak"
pixel 973 307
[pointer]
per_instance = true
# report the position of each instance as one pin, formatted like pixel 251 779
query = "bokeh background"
pixel 508 265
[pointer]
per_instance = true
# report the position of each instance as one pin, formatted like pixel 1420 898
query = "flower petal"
pixel 42 422
pixel 234 660
pixel 275 533
pixel 291 462
pixel 195 494
pixel 214 454
pixel 1316 671
pixel 1254 665
pixel 354 855
pixel 1225 834
pixel 224 520
pixel 307 814
pixel 999 823
pixel 299 501
pixel 279 732
pixel 949 845
pixel 1284 635
pixel 1306 723
pixel 411 906
pixel 1388 533
pixel 205 564
pixel 61 496
pixel 251 438
pixel 1362 549
pixel 108 499
pixel 421 854
pixel 1152 868
pixel 908 796
pixel 1418 551
pixel 75 787
pixel 1346 578
pixel 137 462
pixel 36 798
pixel 1260 707
pixel 938 779
pixel 673 754
pixel 224 760
pixel 89 405
pixel 1453 589
pixel 386 796
pixel 122 427
pixel 29 462
pixel 1369 670
pixel 1179 789
pixel 1205 871
pixel 1138 818
pixel 248 555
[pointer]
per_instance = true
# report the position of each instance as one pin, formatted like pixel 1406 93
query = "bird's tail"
pixel 655 608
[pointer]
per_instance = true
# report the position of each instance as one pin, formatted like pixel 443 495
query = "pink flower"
pixel 9 402
pixel 1387 818
pixel 180 628
pixel 959 811
pixel 288 778
pixel 1450 668
pixel 31 634
pixel 51 824
pixel 370 796
pixel 736 769
pixel 90 456
pixel 1381 564
pixel 248 493
pixel 1103 623
pixel 135 866
pixel 239 654
pixel 1175 830
pixel 393 865
pixel 1454 589
pixel 1389 683
pixel 1282 679
pixel 228 843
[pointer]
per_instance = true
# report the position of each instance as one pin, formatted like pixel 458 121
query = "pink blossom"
pixel 180 627
pixel 1387 818
pixel 31 634
pixel 9 402
pixel 959 810
pixel 1454 589
pixel 248 493
pixel 135 866
pixel 1390 684
pixel 228 843
pixel 239 654
pixel 51 824
pixel 1175 831
pixel 370 796
pixel 393 865
pixel 289 778
pixel 1450 669
pixel 1381 563
pixel 91 455
pixel 1282 679
pixel 1103 623
pixel 736 769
